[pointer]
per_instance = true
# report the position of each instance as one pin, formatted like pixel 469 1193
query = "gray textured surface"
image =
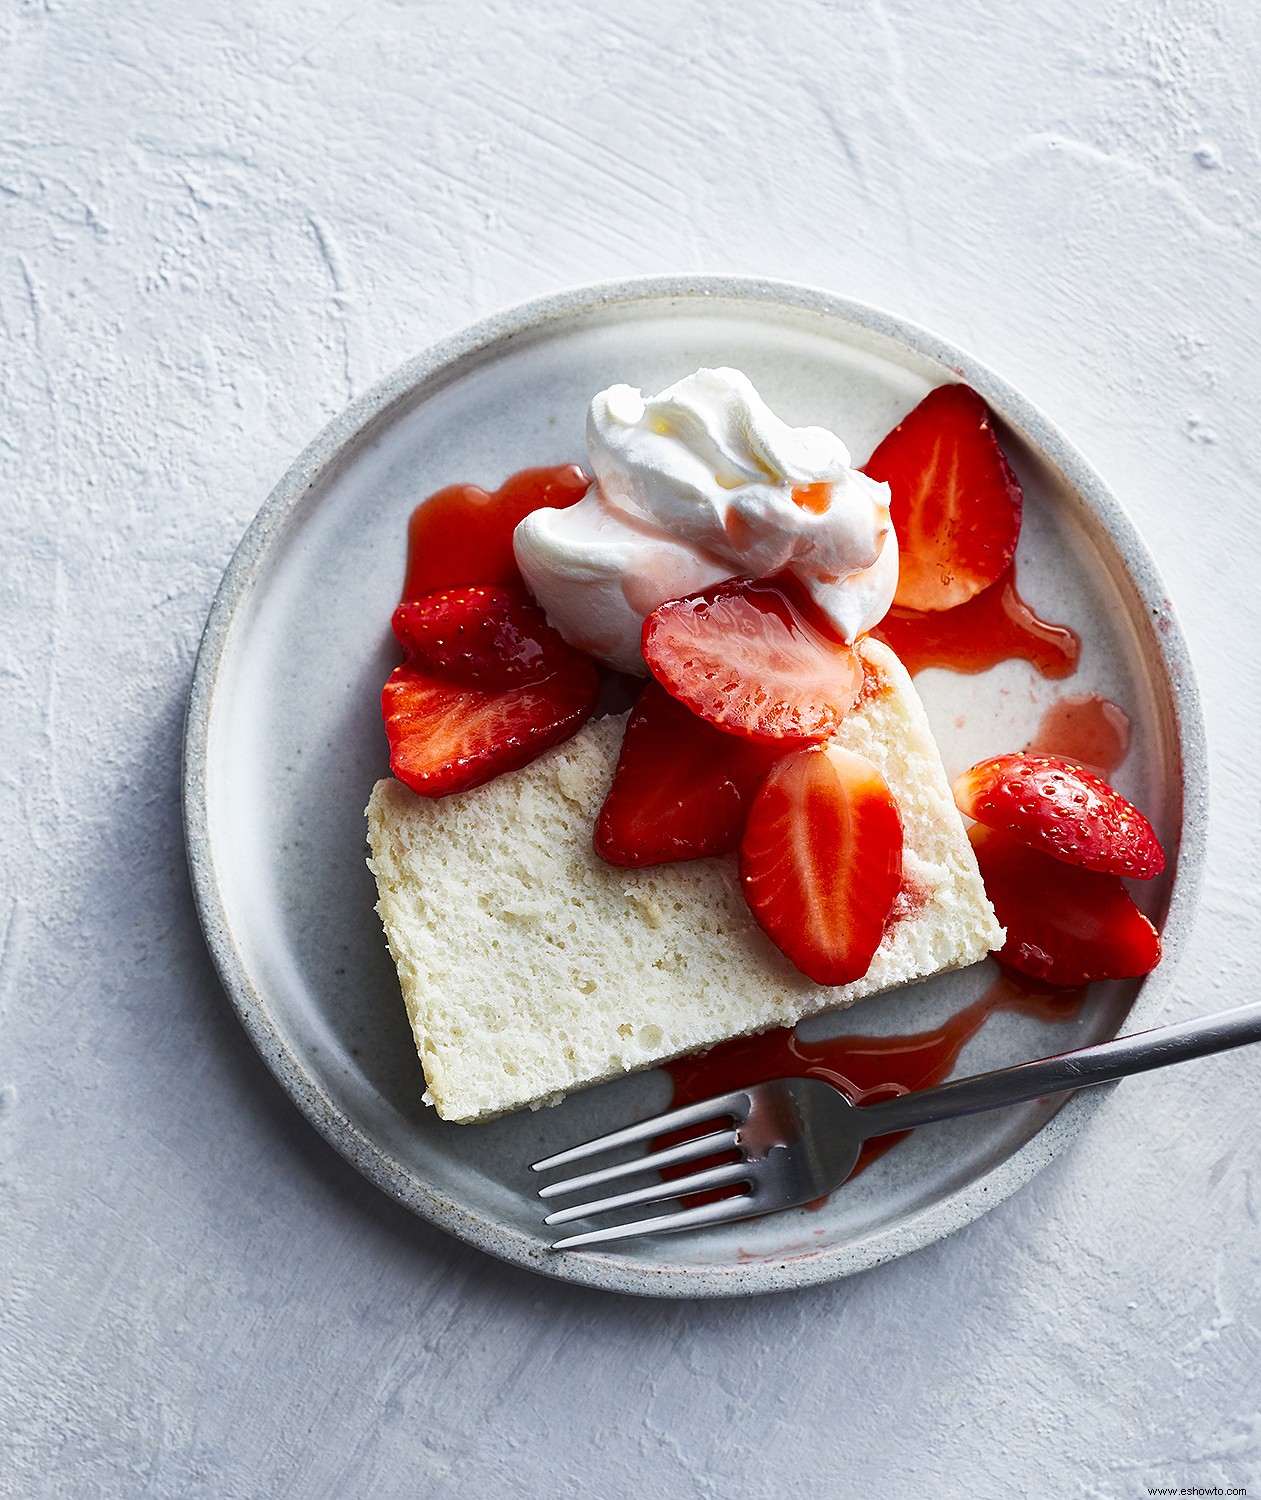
pixel 215 227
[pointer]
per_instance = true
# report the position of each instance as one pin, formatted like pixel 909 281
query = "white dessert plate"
pixel 284 742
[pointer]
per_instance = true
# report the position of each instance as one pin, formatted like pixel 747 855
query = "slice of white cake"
pixel 530 968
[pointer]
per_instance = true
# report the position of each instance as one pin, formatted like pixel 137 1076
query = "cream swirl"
pixel 700 484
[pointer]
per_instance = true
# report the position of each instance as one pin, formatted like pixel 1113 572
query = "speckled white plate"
pixel 284 743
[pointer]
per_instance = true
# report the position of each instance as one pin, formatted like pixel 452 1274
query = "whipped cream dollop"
pixel 700 484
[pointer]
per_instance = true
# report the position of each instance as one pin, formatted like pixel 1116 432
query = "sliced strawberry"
pixel 754 657
pixel 955 502
pixel 481 637
pixel 1056 806
pixel 1065 925
pixel 476 699
pixel 445 739
pixel 821 860
pixel 463 534
pixel 681 786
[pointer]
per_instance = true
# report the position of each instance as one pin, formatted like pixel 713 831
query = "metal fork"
pixel 799 1138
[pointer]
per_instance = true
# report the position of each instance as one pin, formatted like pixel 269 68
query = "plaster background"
pixel 218 224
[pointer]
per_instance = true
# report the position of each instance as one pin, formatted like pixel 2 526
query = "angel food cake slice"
pixel 531 968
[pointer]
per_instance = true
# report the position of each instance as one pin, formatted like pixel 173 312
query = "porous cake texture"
pixel 530 968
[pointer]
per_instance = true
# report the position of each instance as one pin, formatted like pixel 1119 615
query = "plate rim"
pixel 615 1272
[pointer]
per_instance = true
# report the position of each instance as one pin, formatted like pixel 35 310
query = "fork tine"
pixel 735 1103
pixel 678 1187
pixel 721 1212
pixel 703 1145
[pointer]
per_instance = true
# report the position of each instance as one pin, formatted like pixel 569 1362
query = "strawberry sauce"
pixel 864 1068
pixel 463 535
pixel 995 625
pixel 1085 728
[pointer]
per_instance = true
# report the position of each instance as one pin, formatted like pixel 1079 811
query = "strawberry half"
pixel 480 637
pixel 821 861
pixel 1065 925
pixel 1063 810
pixel 681 786
pixel 955 503
pixel 756 658
pixel 479 696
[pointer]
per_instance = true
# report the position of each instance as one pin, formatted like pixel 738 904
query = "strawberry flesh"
pixel 478 696
pixel 681 786
pixel 955 502
pixel 1065 925
pixel 1063 810
pixel 754 657
pixel 821 861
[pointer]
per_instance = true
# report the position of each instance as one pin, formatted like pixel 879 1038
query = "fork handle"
pixel 1069 1070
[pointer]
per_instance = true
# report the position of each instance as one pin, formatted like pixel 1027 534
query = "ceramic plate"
pixel 284 743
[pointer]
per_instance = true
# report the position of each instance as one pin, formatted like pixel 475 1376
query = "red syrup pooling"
pixel 1083 727
pixel 462 536
pixel 994 626
pixel 864 1068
